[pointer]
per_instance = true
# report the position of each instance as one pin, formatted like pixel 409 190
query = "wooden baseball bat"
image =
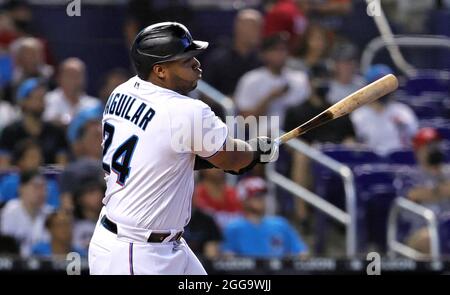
pixel 368 94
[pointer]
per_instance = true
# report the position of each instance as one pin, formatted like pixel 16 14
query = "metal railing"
pixel 394 246
pixel 348 217
pixel 401 40
pixel 387 37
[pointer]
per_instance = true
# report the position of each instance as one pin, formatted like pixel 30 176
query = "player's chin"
pixel 195 82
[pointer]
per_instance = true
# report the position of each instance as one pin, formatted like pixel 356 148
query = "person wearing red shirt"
pixel 212 195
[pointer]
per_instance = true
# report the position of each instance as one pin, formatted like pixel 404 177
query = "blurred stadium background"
pixel 376 181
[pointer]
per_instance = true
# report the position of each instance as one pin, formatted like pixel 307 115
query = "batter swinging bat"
pixel 363 96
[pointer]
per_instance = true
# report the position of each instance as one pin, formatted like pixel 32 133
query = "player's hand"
pixel 264 151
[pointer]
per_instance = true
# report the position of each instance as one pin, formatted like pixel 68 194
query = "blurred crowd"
pixel 285 59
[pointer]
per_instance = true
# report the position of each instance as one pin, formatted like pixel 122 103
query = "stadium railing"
pixel 394 246
pixel 348 217
pixel 415 41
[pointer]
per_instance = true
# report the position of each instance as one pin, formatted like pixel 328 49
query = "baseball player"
pixel 152 143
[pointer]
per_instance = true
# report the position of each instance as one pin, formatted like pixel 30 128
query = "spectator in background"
pixel 112 79
pixel 384 125
pixel 272 89
pixel 51 138
pixel 63 103
pixel 8 114
pixel 429 185
pixel 226 65
pixel 258 235
pixel 313 54
pixel 345 80
pixel 59 226
pixel 286 16
pixel 27 156
pixel 24 218
pixel 338 131
pixel 88 203
pixel 85 136
pixel 212 195
pixel 203 234
pixel 29 61
pixel 20 14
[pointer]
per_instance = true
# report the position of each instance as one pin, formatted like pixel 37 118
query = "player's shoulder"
pixel 182 104
pixel 127 85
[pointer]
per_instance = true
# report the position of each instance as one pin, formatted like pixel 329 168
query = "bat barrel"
pixel 365 95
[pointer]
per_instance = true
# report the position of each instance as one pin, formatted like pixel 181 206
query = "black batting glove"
pixel 201 164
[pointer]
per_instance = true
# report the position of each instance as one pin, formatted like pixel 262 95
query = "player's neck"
pixel 158 82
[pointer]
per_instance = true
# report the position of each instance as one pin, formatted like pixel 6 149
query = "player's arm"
pixel 239 156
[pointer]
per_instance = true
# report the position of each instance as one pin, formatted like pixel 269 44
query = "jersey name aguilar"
pixel 121 105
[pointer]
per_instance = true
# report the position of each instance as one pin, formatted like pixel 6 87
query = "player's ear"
pixel 159 71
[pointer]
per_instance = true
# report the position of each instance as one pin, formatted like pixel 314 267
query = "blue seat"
pixel 444 232
pixel 351 155
pixel 428 81
pixel 444 131
pixel 375 192
pixel 402 156
pixel 376 219
pixel 426 111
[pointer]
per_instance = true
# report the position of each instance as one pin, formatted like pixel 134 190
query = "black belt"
pixel 153 238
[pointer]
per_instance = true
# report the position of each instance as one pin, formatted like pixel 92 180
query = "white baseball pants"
pixel 108 255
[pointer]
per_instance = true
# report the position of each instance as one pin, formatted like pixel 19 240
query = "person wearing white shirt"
pixel 345 79
pixel 384 125
pixel 24 218
pixel 272 89
pixel 63 103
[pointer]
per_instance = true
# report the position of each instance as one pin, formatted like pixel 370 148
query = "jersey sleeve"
pixel 212 136
pixel 196 129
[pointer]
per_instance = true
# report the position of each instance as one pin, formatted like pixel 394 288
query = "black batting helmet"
pixel 160 43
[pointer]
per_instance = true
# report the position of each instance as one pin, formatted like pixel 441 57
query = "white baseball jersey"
pixel 150 138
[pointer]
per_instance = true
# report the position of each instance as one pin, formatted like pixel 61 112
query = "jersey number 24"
pixel 120 162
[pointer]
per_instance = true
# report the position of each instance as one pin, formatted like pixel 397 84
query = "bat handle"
pixel 291 134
